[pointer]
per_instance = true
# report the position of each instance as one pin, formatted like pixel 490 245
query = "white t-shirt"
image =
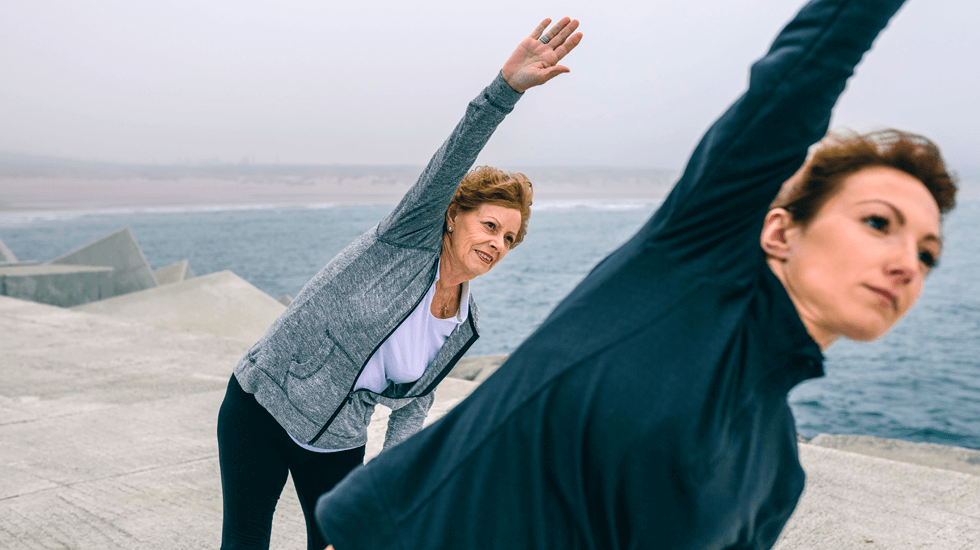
pixel 403 357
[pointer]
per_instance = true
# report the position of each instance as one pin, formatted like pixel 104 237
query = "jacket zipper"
pixel 375 350
pixel 452 362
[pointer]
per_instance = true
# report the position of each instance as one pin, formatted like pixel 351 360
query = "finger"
pixel 556 30
pixel 568 46
pixel 552 72
pixel 564 33
pixel 536 33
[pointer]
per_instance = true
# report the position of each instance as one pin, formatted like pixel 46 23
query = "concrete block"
pixel 173 273
pixel 477 368
pixel 19 263
pixel 120 251
pixel 125 412
pixel 222 304
pixel 5 254
pixel 857 502
pixel 285 299
pixel 947 457
pixel 57 285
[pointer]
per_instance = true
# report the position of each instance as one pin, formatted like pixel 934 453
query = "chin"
pixel 867 332
pixel 476 271
pixel 483 268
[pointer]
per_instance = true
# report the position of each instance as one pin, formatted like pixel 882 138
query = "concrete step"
pixel 222 304
pixel 946 457
pixel 854 501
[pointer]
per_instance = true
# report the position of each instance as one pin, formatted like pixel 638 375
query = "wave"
pixel 13 218
pixel 595 205
pixel 16 218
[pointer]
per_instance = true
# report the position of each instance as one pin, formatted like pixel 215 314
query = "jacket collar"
pixel 794 355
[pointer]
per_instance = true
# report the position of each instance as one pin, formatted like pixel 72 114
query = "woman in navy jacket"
pixel 649 410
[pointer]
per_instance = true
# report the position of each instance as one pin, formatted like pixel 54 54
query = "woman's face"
pixel 860 263
pixel 480 238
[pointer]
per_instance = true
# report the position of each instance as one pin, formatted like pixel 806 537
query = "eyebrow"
pixel 901 220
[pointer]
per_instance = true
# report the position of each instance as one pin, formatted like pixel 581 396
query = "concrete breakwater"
pixel 108 413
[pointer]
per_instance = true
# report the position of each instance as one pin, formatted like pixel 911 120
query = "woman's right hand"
pixel 534 62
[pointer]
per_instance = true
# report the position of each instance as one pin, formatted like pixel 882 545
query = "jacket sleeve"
pixel 405 421
pixel 419 216
pixel 714 214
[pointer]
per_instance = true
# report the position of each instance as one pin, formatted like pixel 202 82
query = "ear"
pixel 779 232
pixel 451 215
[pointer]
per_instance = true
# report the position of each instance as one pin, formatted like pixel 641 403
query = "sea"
pixel 921 382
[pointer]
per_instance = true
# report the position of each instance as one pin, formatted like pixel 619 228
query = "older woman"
pixel 650 408
pixel 382 323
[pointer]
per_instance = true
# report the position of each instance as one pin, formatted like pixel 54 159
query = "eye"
pixel 928 259
pixel 878 223
pixel 491 225
pixel 510 240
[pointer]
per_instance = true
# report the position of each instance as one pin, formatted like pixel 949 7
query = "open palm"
pixel 535 62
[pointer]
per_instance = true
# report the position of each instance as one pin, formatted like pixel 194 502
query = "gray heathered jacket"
pixel 304 368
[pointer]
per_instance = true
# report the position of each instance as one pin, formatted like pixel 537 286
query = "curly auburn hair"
pixel 840 155
pixel 489 185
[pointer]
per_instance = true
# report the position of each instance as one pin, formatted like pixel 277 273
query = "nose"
pixel 901 274
pixel 497 243
pixel 903 269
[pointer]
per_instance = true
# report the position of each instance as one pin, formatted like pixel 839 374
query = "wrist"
pixel 512 83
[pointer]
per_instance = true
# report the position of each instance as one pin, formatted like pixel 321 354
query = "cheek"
pixel 818 261
pixel 823 268
pixel 466 235
pixel 815 281
pixel 914 290
pixel 838 242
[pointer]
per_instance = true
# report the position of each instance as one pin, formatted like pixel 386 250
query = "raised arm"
pixel 715 212
pixel 418 218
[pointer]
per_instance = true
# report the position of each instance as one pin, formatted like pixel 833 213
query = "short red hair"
pixel 838 156
pixel 488 185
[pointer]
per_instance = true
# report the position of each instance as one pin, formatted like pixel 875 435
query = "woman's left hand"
pixel 535 62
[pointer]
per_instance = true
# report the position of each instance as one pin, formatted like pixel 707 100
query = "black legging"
pixel 255 454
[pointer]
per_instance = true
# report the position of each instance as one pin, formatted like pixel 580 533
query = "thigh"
pixel 253 471
pixel 317 474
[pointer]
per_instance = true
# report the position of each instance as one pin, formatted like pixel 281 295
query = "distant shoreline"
pixel 35 188
pixel 179 188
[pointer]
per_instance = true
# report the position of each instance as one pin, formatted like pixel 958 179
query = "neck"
pixel 449 275
pixel 820 334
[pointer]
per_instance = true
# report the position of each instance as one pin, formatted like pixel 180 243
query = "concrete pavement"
pixel 108 423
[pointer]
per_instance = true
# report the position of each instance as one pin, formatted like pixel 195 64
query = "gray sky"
pixel 384 82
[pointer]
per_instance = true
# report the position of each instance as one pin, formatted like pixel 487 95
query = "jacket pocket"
pixel 352 422
pixel 308 361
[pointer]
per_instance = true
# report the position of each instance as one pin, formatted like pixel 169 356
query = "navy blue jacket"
pixel 649 410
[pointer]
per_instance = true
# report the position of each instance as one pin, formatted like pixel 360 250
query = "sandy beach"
pixel 108 188
pixel 35 184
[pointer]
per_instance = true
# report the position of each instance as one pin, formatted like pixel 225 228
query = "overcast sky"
pixel 384 82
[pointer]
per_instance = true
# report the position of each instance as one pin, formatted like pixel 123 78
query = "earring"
pixel 450 229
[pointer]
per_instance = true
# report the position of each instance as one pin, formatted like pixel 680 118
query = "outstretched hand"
pixel 535 61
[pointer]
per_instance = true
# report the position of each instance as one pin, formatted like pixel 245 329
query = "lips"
pixel 484 256
pixel 888 295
